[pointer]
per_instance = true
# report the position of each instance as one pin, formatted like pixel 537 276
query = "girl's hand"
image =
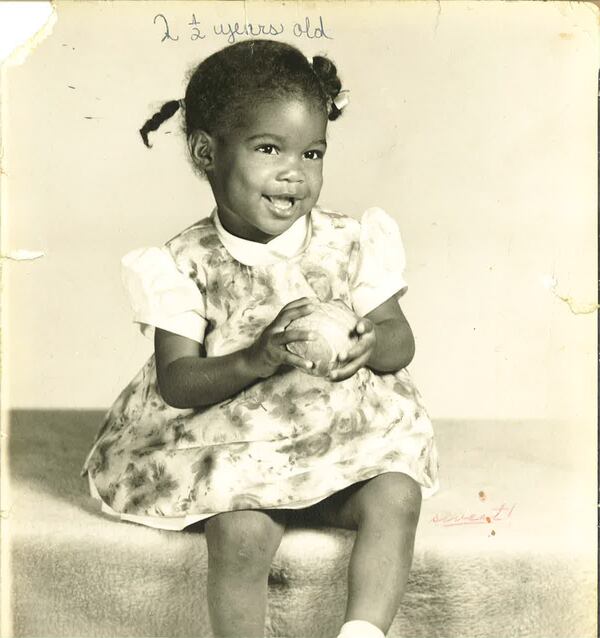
pixel 269 351
pixel 360 353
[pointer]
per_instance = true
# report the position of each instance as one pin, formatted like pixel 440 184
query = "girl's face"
pixel 268 172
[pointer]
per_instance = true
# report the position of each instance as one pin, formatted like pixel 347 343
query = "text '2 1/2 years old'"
pixel 311 29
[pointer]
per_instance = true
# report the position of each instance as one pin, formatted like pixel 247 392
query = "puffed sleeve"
pixel 381 262
pixel 161 295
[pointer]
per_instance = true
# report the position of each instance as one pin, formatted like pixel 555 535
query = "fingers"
pixel 280 339
pixel 294 310
pixel 299 302
pixel 363 326
pixel 346 371
pixel 294 313
pixel 270 346
pixel 366 342
pixel 298 362
pixel 287 336
pixel 357 350
pixel 358 355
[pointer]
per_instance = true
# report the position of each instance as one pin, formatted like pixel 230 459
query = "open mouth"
pixel 281 203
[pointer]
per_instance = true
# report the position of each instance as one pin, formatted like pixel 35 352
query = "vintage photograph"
pixel 299 321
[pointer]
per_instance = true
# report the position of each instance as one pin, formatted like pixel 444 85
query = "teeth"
pixel 281 203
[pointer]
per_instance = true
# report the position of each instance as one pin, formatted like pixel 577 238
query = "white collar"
pixel 251 253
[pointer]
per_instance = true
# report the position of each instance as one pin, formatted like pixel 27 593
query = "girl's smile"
pixel 268 172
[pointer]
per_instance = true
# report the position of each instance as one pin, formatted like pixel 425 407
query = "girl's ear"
pixel 202 149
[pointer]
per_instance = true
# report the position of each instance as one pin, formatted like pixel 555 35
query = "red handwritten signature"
pixel 495 514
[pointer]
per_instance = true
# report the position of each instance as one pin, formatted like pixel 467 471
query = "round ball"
pixel 334 324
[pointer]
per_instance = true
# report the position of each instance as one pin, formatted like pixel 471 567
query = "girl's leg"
pixel 241 546
pixel 385 512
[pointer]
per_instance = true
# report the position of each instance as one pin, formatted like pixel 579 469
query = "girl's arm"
pixel 386 342
pixel 189 379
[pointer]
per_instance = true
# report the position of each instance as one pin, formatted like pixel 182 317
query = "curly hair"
pixel 224 85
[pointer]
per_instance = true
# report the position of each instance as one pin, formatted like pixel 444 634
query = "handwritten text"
pixel 308 28
pixel 496 514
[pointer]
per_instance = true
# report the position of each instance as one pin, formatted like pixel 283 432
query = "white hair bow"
pixel 341 100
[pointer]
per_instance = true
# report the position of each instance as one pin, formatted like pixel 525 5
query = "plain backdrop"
pixel 473 124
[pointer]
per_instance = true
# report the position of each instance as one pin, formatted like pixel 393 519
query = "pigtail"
pixel 326 72
pixel 167 110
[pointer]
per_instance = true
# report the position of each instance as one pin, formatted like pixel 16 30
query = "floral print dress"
pixel 287 441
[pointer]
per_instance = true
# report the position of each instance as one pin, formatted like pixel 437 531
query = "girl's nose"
pixel 291 171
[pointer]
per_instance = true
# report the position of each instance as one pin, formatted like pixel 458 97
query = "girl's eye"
pixel 267 149
pixel 314 155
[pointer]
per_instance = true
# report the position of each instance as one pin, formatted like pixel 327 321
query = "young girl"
pixel 223 422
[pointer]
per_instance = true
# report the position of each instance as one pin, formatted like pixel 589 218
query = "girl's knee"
pixel 392 496
pixel 243 540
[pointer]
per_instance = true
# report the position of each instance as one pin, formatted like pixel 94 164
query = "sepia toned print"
pixel 446 170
